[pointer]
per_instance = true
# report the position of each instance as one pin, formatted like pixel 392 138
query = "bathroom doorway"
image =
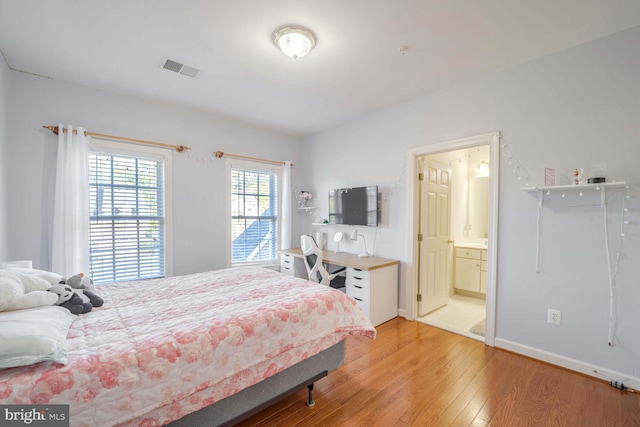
pixel 471 237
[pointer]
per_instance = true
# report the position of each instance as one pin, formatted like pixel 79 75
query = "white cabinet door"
pixel 483 282
pixel 468 274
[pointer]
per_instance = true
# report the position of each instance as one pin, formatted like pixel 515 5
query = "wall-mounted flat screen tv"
pixel 354 206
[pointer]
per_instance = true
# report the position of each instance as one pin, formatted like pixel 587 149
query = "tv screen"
pixel 354 206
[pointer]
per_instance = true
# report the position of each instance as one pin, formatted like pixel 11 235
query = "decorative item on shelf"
pixel 549 177
pixel 583 176
pixel 596 180
pixel 598 173
pixel 576 177
pixel 304 197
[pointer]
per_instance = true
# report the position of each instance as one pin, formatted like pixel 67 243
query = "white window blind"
pixel 127 217
pixel 254 216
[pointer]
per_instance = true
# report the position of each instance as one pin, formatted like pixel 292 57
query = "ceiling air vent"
pixel 177 67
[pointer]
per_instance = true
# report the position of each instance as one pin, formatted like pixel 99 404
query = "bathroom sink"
pixel 472 245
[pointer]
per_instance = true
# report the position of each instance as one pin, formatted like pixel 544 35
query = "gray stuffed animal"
pixel 75 282
pixel 70 300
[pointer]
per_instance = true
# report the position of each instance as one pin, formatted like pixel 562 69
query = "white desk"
pixel 371 281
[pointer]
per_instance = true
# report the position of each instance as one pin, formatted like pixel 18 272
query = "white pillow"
pixel 49 276
pixel 32 283
pixel 34 335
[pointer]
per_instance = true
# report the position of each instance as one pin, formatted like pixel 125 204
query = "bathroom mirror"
pixel 478 207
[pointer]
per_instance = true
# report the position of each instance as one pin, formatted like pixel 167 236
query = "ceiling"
pixel 355 68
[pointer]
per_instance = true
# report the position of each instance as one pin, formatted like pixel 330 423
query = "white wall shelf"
pixel 306 210
pixel 578 187
pixel 598 188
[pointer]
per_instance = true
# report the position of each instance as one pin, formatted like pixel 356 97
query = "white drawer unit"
pixel 293 266
pixel 470 270
pixel 287 264
pixel 371 281
pixel 375 291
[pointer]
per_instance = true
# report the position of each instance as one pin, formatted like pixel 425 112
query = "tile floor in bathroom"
pixel 459 315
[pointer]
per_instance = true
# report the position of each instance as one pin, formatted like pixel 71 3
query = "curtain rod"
pixel 220 154
pixel 178 148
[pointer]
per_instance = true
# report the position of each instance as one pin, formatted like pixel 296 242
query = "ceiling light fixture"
pixel 294 41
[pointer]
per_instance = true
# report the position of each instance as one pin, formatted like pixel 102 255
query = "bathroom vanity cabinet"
pixel 470 269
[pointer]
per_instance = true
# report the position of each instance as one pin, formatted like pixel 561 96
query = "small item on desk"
pixel 320 240
pixel 338 238
pixel 354 236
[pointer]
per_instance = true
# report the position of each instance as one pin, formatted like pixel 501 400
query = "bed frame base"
pixel 278 398
pixel 248 402
pixel 310 401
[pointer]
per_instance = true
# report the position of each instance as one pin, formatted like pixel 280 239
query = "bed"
pixel 216 345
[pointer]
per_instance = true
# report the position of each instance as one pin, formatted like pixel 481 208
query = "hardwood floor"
pixel 417 375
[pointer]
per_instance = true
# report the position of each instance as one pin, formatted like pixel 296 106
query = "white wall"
pixel 198 184
pixel 566 110
pixel 4 141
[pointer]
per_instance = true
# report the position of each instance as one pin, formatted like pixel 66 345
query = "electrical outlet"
pixel 553 316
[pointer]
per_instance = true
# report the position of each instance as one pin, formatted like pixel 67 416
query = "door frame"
pixel 493 140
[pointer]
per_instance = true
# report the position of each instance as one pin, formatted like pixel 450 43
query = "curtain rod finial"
pixel 182 148
pixel 53 129
pixel 219 154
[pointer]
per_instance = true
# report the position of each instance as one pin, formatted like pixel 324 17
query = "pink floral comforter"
pixel 160 349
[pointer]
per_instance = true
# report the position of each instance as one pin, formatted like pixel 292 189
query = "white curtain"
pixel 285 222
pixel 70 241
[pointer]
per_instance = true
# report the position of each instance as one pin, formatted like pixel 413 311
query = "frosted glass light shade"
pixel 483 167
pixel 295 42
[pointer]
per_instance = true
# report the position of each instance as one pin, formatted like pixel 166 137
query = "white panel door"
pixel 435 204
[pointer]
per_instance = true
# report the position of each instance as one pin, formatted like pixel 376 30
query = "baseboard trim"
pixel 569 363
pixel 402 313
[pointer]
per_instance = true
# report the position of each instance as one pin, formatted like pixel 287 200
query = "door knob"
pixel 450 242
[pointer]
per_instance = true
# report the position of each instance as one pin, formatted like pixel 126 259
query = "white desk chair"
pixel 312 256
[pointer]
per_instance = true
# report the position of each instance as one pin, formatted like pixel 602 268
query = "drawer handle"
pixel 357 299
pixel 287 262
pixel 359 278
pixel 356 286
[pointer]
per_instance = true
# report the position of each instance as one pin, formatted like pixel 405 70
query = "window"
pixel 254 213
pixel 127 223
